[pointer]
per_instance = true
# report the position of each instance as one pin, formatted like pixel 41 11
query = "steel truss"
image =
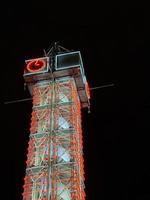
pixel 55 168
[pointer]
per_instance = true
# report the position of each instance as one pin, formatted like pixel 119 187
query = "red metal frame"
pixel 55 166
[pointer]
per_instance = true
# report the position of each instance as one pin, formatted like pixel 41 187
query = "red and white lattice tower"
pixel 55 169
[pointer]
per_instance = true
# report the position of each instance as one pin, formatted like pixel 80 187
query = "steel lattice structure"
pixel 55 166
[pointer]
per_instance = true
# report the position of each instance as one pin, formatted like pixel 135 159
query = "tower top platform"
pixel 58 63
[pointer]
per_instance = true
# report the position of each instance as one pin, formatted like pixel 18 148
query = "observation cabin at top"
pixel 59 63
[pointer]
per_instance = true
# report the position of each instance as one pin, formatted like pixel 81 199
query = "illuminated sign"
pixel 36 65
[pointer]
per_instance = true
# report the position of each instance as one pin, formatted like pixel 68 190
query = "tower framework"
pixel 55 166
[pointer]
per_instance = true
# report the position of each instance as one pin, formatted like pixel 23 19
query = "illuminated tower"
pixel 59 90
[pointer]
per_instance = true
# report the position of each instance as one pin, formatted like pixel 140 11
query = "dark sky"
pixel 115 46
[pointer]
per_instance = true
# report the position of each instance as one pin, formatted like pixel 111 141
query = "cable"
pixel 17 101
pixel 29 99
pixel 103 86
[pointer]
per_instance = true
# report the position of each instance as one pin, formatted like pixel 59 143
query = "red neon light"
pixel 87 89
pixel 36 65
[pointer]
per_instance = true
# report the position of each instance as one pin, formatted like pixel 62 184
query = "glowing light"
pixel 87 89
pixel 36 65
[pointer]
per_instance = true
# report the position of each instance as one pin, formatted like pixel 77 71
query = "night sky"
pixel 115 46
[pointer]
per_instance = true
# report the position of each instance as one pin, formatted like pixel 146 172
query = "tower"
pixel 54 166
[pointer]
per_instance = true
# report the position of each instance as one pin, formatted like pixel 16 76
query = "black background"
pixel 114 44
